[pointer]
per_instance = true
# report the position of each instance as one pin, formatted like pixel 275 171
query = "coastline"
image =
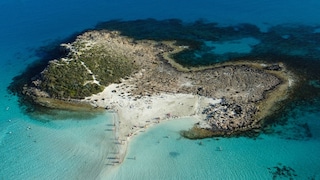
pixel 135 114
pixel 226 98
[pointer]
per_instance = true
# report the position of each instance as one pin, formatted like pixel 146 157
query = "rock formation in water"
pixel 98 58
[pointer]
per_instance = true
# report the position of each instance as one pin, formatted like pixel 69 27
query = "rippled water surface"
pixel 63 145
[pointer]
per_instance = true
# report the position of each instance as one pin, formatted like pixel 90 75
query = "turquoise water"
pixel 78 147
pixel 159 157
pixel 68 149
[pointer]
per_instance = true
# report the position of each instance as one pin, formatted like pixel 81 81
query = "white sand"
pixel 134 115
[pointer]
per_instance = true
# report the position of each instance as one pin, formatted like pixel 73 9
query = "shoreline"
pixel 135 114
pixel 226 98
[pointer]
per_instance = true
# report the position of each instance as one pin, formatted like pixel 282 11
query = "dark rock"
pixel 274 67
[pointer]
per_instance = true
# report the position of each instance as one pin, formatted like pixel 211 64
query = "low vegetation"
pixel 71 78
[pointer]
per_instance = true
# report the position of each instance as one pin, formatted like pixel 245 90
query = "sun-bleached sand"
pixel 134 114
pixel 226 99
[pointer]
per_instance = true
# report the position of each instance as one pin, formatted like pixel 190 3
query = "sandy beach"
pixel 226 98
pixel 133 115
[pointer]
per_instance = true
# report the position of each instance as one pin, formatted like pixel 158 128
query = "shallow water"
pixel 78 148
pixel 236 46
pixel 161 153
pixel 61 149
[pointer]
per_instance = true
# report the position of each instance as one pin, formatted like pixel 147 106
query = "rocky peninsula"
pixel 141 82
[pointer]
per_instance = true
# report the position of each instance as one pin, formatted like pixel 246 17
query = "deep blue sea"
pixel 45 147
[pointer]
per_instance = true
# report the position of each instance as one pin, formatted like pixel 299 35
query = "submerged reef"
pixel 281 171
pixel 171 57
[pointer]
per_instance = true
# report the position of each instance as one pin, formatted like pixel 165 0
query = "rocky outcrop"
pixel 98 58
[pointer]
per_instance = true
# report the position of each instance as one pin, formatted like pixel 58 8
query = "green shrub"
pixel 63 79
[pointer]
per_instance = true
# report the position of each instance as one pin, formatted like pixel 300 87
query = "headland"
pixel 141 82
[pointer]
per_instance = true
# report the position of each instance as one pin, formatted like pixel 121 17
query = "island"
pixel 140 81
